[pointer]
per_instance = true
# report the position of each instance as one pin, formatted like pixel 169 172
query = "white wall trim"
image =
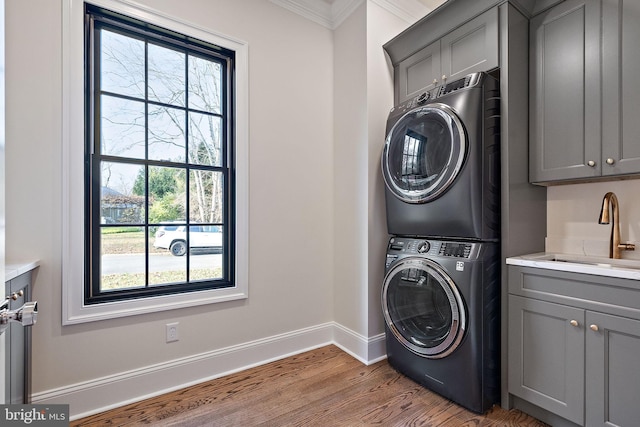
pixel 101 394
pixel 314 10
pixel 332 15
pixel 74 310
pixel 342 9
pixel 407 10
pixel 366 350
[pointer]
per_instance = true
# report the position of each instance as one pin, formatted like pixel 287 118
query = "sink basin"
pixel 575 261
pixel 623 268
pixel 594 261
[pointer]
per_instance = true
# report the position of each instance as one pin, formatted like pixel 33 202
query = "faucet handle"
pixel 627 247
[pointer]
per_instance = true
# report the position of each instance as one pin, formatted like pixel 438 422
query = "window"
pixel 158 152
pixel 162 221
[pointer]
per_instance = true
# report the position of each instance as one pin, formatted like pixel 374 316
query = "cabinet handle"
pixel 594 327
pixel 591 163
pixel 574 323
pixel 444 77
pixel 610 161
pixel 435 81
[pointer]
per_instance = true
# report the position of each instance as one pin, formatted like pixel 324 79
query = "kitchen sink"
pixel 602 266
pixel 594 261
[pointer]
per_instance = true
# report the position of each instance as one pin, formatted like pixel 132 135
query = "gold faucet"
pixel 614 242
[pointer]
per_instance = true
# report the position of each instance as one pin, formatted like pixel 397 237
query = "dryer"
pixel 441 162
pixel 440 301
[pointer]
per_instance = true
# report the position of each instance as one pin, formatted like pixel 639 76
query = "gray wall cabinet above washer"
pixel 469 48
pixel 584 96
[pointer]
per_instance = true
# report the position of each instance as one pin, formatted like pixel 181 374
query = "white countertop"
pixel 620 268
pixel 13 270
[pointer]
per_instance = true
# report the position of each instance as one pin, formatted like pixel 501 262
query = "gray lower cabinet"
pixel 546 357
pixel 612 370
pixel 17 345
pixel 574 345
pixel 469 48
pixel 584 96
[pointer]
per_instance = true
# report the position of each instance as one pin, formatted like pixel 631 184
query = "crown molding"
pixel 408 10
pixel 332 14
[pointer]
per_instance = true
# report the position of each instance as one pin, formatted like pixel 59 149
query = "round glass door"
pixel 423 153
pixel 423 308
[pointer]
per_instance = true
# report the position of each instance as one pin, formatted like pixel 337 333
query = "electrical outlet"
pixel 172 332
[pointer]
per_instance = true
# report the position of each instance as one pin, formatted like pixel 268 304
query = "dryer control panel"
pixel 468 81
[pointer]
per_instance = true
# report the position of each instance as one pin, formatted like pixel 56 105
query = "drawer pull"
pixel 574 323
pixel 594 327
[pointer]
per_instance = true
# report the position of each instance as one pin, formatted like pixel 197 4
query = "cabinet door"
pixel 621 91
pixel 472 47
pixel 546 356
pixel 18 344
pixel 565 121
pixel 612 371
pixel 417 73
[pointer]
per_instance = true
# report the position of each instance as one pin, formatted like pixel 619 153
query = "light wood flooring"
pixel 324 387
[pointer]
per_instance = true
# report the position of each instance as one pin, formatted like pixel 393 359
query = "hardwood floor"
pixel 323 387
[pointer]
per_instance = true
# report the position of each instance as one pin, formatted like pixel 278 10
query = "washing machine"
pixel 440 300
pixel 441 162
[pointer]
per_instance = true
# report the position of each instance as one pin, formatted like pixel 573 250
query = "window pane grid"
pixel 162 175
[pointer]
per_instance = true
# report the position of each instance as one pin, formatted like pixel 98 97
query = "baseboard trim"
pixel 102 394
pixel 366 350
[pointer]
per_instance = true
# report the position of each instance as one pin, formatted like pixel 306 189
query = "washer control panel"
pixel 455 249
pixel 402 246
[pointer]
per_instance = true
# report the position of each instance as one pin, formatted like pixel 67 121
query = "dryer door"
pixel 423 307
pixel 423 153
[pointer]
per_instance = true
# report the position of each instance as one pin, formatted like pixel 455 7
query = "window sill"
pixel 75 312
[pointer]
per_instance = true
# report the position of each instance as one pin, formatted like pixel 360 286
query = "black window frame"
pixel 97 18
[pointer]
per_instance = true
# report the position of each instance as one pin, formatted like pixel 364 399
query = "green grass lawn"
pixel 133 280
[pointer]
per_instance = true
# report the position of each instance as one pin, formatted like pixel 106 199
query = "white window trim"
pixel 74 310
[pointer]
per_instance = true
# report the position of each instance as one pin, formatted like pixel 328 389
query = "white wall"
pixel 291 192
pixel 572 217
pixel 350 173
pixel 363 96
pixel 382 26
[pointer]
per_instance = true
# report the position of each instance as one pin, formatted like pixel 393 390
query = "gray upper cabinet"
pixel 469 48
pixel 472 47
pixel 419 72
pixel 565 92
pixel 620 91
pixel 584 96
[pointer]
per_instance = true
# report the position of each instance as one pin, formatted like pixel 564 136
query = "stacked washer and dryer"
pixel 441 291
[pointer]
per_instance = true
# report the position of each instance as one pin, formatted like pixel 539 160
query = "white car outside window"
pixel 174 238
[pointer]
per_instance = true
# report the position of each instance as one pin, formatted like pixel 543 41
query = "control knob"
pixel 423 247
pixel 423 98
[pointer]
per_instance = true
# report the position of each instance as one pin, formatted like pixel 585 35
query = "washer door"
pixel 423 307
pixel 423 153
